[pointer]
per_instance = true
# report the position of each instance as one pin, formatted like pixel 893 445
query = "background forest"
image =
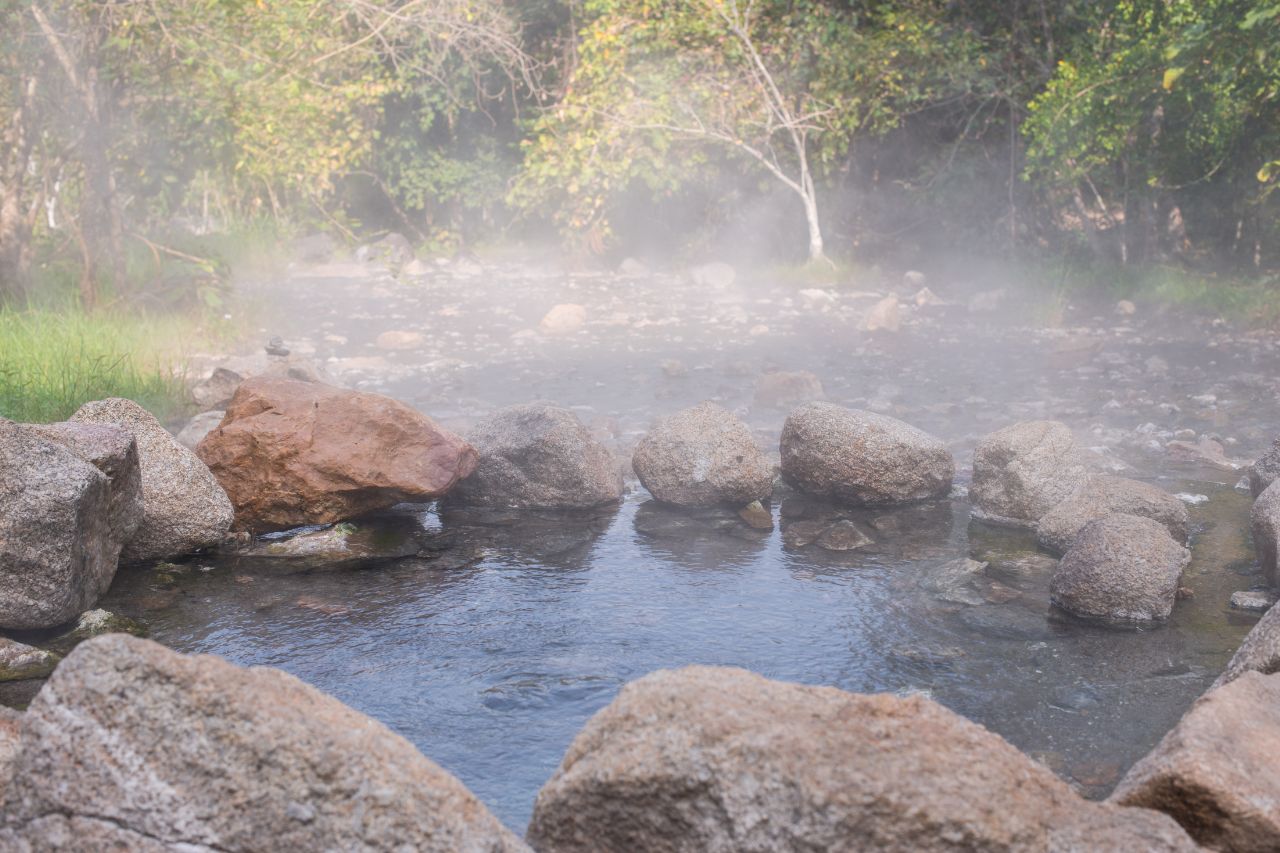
pixel 146 143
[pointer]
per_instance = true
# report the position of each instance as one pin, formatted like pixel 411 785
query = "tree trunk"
pixel 816 252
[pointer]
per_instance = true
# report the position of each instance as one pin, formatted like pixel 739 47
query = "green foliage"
pixel 55 360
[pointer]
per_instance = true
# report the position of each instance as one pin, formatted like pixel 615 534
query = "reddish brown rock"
pixel 708 758
pixel 290 453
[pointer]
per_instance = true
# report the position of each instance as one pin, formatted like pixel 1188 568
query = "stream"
pixel 493 642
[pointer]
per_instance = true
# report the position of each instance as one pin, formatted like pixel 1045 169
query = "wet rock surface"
pixel 702 456
pixel 263 762
pixel 290 453
pixel 1215 773
pixel 1259 652
pixel 1120 568
pixel 716 759
pixel 861 457
pixel 183 507
pixel 539 455
pixel 1104 495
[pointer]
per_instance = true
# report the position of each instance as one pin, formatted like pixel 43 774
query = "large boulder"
pixel 1104 495
pixel 1264 524
pixel 183 507
pixel 717 759
pixel 1259 652
pixel 1216 771
pixel 114 452
pixel 1023 471
pixel 130 746
pixel 1266 470
pixel 1121 568
pixel 702 456
pixel 58 546
pixel 862 458
pixel 291 453
pixel 536 455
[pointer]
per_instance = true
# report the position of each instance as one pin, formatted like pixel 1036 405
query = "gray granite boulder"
pixel 1264 524
pixel 58 548
pixel 113 451
pixel 1122 568
pixel 702 456
pixel 184 508
pixel 1216 772
pixel 1259 652
pixel 862 458
pixel 1104 495
pixel 538 455
pixel 719 759
pixel 130 746
pixel 1266 470
pixel 1023 471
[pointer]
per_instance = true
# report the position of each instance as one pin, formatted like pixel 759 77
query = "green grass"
pixel 51 361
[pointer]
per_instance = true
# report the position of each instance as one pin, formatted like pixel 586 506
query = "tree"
pixel 659 87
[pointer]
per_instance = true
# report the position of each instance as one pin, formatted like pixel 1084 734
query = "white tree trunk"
pixel 816 252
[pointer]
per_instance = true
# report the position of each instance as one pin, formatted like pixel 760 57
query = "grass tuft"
pixel 52 361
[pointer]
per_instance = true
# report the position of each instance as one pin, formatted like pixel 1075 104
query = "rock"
pixel 297 368
pixel 216 390
pixel 291 453
pixel 716 275
pixel 19 662
pixel 883 316
pixel 1006 623
pixel 783 389
pixel 925 297
pixel 1120 568
pixel 1259 652
pixel 1023 471
pixel 192 753
pixel 94 623
pixel 394 250
pixel 1266 470
pixel 1103 495
pixel 396 339
pixel 1206 451
pixel 914 278
pixel 956 581
pixel 563 319
pixel 1264 524
pixel 183 507
pixel 1215 772
pixel 708 758
pixel 757 516
pixel 198 427
pixel 843 535
pixel 538 455
pixel 114 452
pixel 1125 308
pixel 340 546
pixel 1253 600
pixel 58 547
pixel 702 456
pixel 632 268
pixel 862 458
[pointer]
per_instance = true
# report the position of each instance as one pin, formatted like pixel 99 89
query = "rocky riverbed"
pixel 487 636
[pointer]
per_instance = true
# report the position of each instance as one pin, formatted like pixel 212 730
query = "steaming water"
pixel 491 649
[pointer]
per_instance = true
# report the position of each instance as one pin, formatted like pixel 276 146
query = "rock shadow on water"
pixel 555 539
pixel 821 537
pixel 706 538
